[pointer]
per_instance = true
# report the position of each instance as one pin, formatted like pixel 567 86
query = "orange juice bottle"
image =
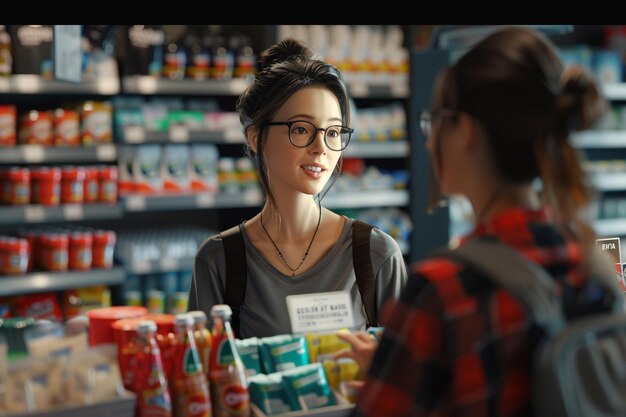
pixel 189 386
pixel 203 338
pixel 227 378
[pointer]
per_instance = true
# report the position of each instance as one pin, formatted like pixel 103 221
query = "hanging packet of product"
pixel 282 352
pixel 308 387
pixel 268 393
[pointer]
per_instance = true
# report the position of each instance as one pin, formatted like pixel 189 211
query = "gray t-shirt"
pixel 264 309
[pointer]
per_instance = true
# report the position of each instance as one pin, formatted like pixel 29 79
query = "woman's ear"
pixel 253 134
pixel 472 130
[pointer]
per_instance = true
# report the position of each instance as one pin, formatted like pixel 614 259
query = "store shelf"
pixel 34 84
pixel 387 149
pixel 610 181
pixel 367 198
pixel 54 281
pixel 179 134
pixel 610 227
pixel 361 89
pixel 37 154
pixel 139 84
pixel 600 139
pixel 34 213
pixel 614 91
pixel 161 265
pixel 249 198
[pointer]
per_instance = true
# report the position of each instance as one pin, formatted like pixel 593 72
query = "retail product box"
pixel 120 407
pixel 342 409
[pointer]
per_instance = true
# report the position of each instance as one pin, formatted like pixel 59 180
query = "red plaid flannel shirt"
pixel 454 345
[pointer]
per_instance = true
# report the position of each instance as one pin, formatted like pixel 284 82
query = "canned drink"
pixel 179 302
pixel 156 302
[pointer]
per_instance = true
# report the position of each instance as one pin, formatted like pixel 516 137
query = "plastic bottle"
pixel 189 386
pixel 203 338
pixel 229 386
pixel 6 53
pixel 153 398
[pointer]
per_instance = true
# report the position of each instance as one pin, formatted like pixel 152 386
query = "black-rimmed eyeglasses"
pixel 302 133
pixel 428 117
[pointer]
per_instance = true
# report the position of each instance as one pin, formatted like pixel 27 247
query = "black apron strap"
pixel 236 272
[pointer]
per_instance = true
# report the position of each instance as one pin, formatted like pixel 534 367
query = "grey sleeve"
pixel 207 278
pixel 392 275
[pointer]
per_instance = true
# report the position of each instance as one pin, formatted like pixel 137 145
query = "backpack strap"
pixel 508 269
pixel 365 279
pixel 236 272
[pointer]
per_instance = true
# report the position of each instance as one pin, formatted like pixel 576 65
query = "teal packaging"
pixel 249 352
pixel 307 387
pixel 282 352
pixel 268 393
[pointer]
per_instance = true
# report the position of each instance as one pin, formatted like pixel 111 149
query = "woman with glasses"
pixel 296 118
pixel 455 344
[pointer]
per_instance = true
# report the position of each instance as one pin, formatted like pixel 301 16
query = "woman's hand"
pixel 364 346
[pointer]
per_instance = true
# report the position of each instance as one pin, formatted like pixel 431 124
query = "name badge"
pixel 322 311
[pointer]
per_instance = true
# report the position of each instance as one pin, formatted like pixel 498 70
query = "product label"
pixel 225 355
pixel 320 311
pixel 236 398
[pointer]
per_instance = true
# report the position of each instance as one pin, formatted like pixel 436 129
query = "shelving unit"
pixel 54 281
pixel 34 213
pixel 37 154
pixel 606 145
pixel 36 85
pixel 210 209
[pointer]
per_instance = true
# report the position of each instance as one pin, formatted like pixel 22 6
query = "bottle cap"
pixel 183 320
pixel 221 311
pixel 146 326
pixel 199 316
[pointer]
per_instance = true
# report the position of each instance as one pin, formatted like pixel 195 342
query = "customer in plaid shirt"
pixel 454 344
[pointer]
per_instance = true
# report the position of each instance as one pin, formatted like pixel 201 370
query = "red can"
pixel 55 252
pixel 72 183
pixel 91 185
pixel 46 186
pixel 80 250
pixel 102 319
pixel 17 186
pixel 107 176
pixel 15 259
pixel 7 125
pixel 66 127
pixel 31 237
pixel 103 246
pixel 36 128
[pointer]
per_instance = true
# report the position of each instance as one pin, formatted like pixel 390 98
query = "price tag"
pixel 106 152
pixel 134 134
pixel 179 133
pixel 140 267
pixel 33 153
pixel 326 311
pixel 252 196
pixel 233 136
pixel 611 247
pixel 35 214
pixel 359 89
pixel 73 212
pixel 205 200
pixel 169 264
pixel 136 203
pixel 399 89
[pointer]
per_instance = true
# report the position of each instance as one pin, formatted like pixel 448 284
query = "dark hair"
pixel 513 83
pixel 285 68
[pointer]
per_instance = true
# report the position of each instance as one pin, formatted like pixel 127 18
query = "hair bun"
pixel 288 48
pixel 580 104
